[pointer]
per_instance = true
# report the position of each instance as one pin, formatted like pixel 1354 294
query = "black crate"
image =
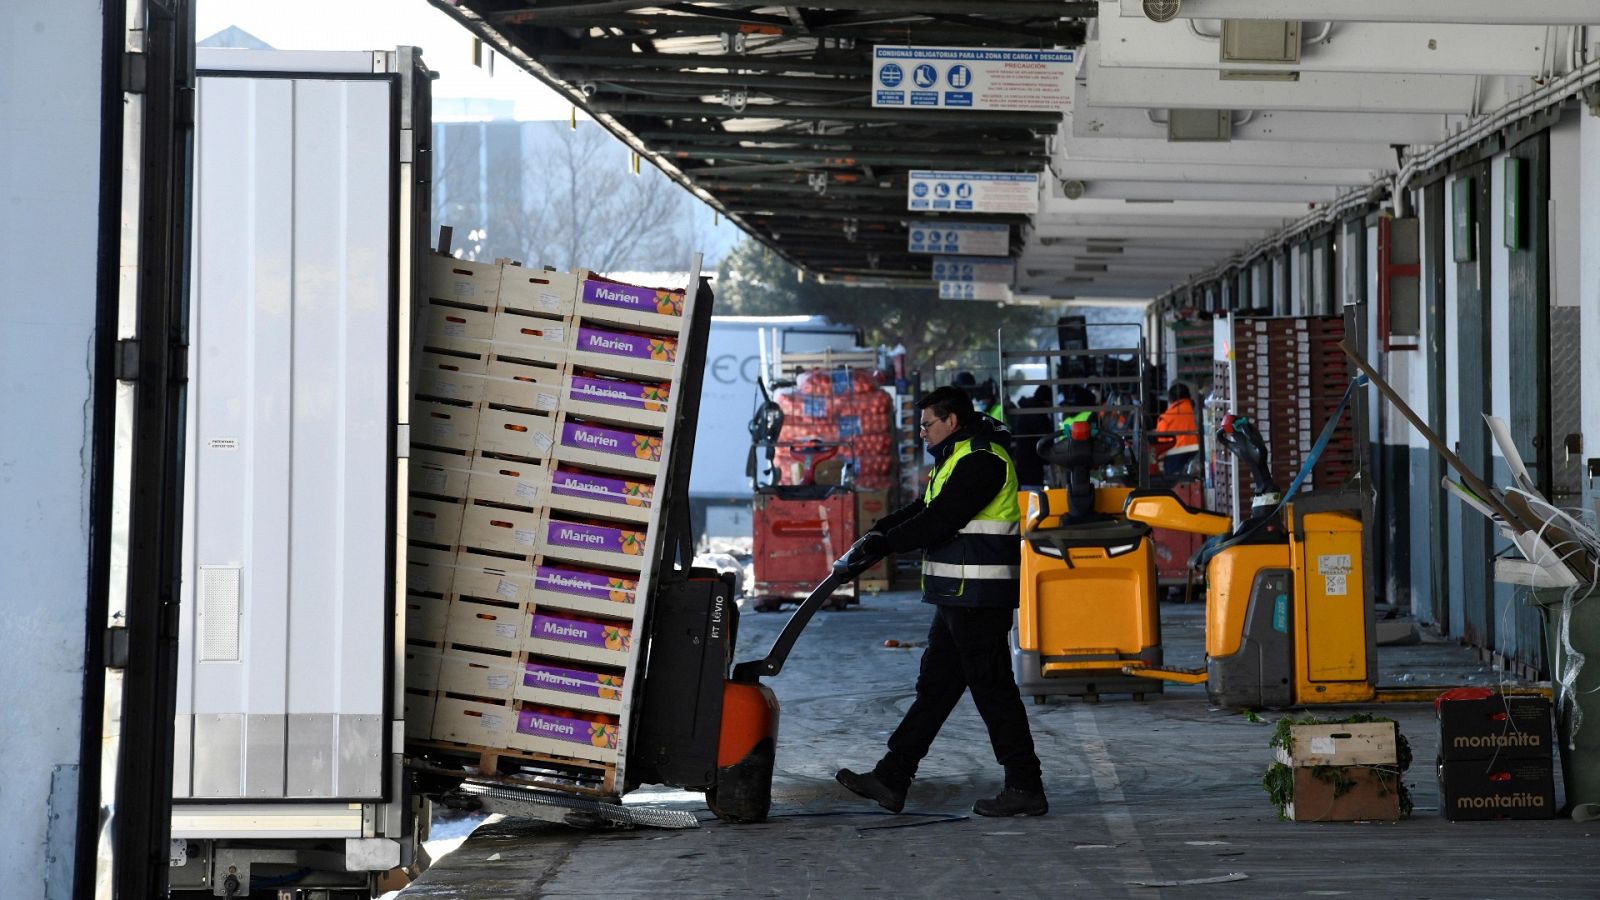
pixel 1507 727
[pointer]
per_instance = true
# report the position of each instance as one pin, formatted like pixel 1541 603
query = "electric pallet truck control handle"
pixel 861 556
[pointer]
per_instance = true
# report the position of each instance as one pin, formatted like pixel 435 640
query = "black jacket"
pixel 977 478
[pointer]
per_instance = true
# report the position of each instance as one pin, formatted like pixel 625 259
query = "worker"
pixel 984 396
pixel 1078 396
pixel 967 525
pixel 1177 437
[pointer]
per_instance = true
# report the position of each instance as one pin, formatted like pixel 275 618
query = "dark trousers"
pixel 967 651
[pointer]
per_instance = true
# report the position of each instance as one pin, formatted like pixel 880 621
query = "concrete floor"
pixel 1141 793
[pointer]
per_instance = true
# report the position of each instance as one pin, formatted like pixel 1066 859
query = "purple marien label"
pixel 572 681
pixel 584 584
pixel 587 484
pixel 614 343
pixel 594 537
pixel 593 437
pixel 561 728
pixel 618 393
pixel 627 296
pixel 577 631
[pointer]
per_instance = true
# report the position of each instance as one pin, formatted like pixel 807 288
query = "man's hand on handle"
pixel 862 555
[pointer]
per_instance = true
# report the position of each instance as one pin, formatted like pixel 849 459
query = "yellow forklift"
pixel 1288 621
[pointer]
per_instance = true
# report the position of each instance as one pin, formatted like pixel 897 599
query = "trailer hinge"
pixel 125 359
pixel 116 647
pixel 133 72
pixel 183 106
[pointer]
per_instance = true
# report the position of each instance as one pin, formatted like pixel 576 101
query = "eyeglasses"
pixel 924 425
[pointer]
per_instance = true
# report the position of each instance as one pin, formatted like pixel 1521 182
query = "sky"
pixel 381 25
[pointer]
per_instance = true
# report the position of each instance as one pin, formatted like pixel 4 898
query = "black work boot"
pixel 1013 802
pixel 873 787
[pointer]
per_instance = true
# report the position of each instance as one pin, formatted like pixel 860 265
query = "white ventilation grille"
pixel 219 613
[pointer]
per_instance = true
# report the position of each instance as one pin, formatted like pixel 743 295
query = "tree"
pixel 755 282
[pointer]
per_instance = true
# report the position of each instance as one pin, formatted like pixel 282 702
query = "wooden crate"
pixel 629 306
pixel 514 768
pixel 511 482
pixel 463 281
pixel 558 585
pixel 426 618
pixel 604 399
pixel 422 665
pixel 450 376
pixel 515 433
pixel 444 425
pixel 537 291
pixel 419 715
pixel 565 684
pixel 607 448
pixel 473 722
pixel 605 495
pixel 501 529
pixel 441 473
pixel 619 545
pixel 627 354
pixel 555 635
pixel 531 337
pixel 429 570
pixel 433 521
pixel 542 731
pixel 523 384
pixel 1347 744
pixel 492 577
pixel 487 676
pixel 478 623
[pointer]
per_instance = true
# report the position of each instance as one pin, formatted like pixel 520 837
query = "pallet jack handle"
pixel 855 561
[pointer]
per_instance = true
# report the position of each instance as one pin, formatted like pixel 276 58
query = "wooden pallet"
pixel 513 768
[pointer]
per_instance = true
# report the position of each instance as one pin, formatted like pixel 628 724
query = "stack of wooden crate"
pixel 538 419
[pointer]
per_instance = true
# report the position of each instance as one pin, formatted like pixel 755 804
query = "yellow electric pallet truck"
pixel 1088 599
pixel 1288 621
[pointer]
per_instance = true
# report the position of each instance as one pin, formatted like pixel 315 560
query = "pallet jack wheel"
pixel 1040 699
pixel 743 792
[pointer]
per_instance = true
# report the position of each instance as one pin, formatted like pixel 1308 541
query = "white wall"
pixel 49 179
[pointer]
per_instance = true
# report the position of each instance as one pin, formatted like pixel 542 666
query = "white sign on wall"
pixel 973 290
pixel 973 78
pixel 975 239
pixel 976 192
pixel 967 268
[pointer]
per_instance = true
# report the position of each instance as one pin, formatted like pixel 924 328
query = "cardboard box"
pixel 1495 727
pixel 1368 795
pixel 1504 788
pixel 502 529
pixel 515 433
pixel 444 425
pixel 539 291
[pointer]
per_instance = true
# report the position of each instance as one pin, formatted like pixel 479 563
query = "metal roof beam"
pixel 1043 121
pixel 751 62
pixel 1479 12
pixel 715 81
pixel 1065 32
pixel 838 159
